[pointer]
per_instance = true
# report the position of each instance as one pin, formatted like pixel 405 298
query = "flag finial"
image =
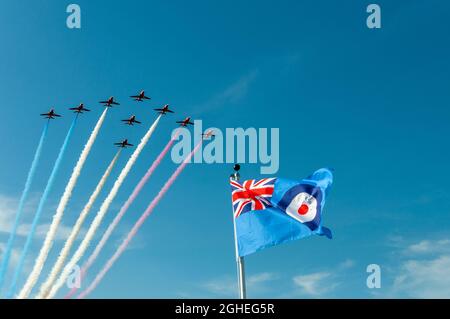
pixel 235 176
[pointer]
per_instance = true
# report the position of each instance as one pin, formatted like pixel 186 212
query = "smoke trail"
pixel 123 210
pixel 23 198
pixel 104 208
pixel 48 242
pixel 75 230
pixel 42 202
pixel 138 224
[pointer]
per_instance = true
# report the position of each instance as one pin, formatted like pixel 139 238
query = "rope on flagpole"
pixel 239 260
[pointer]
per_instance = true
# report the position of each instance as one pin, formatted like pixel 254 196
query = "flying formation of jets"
pixel 79 109
pixel 140 97
pixel 207 135
pixel 131 120
pixel 123 144
pixel 164 110
pixel 185 122
pixel 110 102
pixel 50 115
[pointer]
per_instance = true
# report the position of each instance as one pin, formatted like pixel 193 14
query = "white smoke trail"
pixel 102 212
pixel 45 287
pixel 48 242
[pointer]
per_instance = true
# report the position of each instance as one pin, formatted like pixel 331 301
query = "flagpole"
pixel 239 260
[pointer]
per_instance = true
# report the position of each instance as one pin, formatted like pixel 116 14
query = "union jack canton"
pixel 251 195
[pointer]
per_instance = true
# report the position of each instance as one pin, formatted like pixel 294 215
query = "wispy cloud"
pixel 268 284
pixel 321 283
pixel 425 270
pixel 8 207
pixel 424 278
pixel 231 94
pixel 429 247
pixel 15 254
pixel 346 264
pixel 41 231
pixel 315 284
pixel 227 285
pixel 261 278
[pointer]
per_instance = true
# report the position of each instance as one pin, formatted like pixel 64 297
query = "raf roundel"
pixel 303 202
pixel 303 207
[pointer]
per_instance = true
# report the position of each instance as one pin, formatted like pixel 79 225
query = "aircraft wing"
pixel 115 103
pixel 137 122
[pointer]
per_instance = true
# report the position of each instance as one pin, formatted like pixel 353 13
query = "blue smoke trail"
pixel 37 216
pixel 23 198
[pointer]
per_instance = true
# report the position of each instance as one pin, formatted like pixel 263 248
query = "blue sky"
pixel 373 104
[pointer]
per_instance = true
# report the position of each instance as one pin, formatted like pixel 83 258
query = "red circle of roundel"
pixel 294 198
pixel 303 209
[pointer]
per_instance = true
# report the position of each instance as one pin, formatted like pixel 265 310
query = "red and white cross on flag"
pixel 251 195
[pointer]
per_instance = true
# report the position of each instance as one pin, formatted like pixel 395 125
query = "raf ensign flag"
pixel 272 211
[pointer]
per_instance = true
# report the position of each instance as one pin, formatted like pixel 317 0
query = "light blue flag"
pixel 272 211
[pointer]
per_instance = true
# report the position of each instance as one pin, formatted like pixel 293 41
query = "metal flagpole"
pixel 239 260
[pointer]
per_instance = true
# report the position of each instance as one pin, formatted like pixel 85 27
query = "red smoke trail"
pixel 123 210
pixel 138 224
